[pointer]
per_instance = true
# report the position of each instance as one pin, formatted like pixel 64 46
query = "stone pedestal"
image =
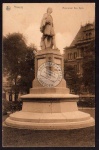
pixel 49 108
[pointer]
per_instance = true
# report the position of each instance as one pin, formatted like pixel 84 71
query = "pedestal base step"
pixel 50 121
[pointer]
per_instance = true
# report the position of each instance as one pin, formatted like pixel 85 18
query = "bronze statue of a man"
pixel 48 38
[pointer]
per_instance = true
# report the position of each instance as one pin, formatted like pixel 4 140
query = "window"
pixel 75 55
pixel 16 97
pixel 10 97
pixel 90 35
pixel 70 55
pixel 86 35
pixel 75 66
pixel 78 67
pixel 81 53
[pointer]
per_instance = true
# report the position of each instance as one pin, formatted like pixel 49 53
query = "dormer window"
pixel 90 35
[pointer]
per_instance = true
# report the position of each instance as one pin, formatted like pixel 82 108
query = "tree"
pixel 89 67
pixel 72 79
pixel 18 62
pixel 27 71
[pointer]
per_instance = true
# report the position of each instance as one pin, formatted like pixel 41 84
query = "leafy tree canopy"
pixel 89 67
pixel 71 77
pixel 18 62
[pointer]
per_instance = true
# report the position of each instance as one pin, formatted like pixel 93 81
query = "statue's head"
pixel 49 10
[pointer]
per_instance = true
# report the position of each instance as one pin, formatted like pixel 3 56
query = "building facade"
pixel 75 52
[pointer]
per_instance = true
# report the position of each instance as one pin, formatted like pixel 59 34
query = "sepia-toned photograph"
pixel 48 75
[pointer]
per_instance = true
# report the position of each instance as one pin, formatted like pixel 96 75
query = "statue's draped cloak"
pixel 47 25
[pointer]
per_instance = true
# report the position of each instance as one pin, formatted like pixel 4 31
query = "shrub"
pixel 5 106
pixel 11 106
pixel 86 102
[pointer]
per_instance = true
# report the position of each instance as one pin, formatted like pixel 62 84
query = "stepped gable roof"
pixel 79 35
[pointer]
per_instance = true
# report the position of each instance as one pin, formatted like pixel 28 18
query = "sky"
pixel 67 18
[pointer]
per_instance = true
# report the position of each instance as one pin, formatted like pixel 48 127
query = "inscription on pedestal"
pixel 49 74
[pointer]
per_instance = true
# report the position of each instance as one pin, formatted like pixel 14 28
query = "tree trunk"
pixel 15 96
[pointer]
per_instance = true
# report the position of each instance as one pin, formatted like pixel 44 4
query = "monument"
pixel 49 104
